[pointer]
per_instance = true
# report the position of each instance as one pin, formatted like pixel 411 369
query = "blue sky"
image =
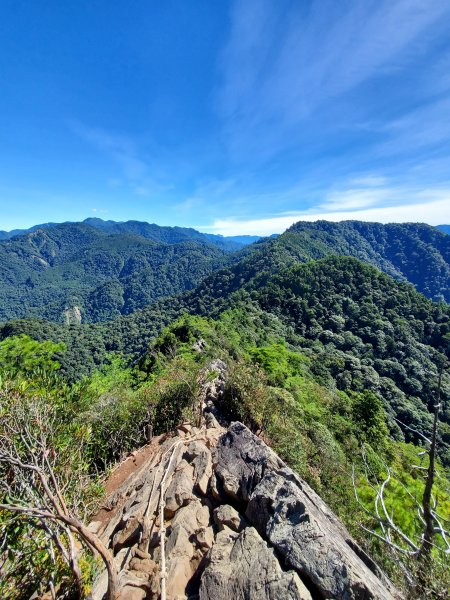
pixel 232 117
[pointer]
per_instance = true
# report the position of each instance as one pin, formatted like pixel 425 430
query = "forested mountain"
pixel 362 329
pixel 98 270
pixel 73 272
pixel 158 233
pixel 7 235
pixel 170 235
pixel 412 252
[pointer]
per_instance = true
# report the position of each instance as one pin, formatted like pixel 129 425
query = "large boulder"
pixel 297 523
pixel 243 566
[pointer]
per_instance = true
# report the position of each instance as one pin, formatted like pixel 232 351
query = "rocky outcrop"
pixel 294 520
pixel 229 520
pixel 242 565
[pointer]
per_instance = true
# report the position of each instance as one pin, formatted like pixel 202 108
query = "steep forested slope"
pixel 362 329
pixel 74 271
pixel 412 252
pixel 364 332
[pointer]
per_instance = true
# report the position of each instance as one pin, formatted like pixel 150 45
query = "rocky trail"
pixel 211 512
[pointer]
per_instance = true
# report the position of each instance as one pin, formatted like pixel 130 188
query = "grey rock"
pixel 178 544
pixel 246 567
pixel 200 345
pixel 187 517
pixel 179 552
pixel 129 535
pixel 211 421
pixel 131 592
pixel 203 516
pixel 241 460
pixel 216 489
pixel 201 460
pixel 205 537
pixel 226 516
pixel 179 493
pixel 144 565
pixel 297 523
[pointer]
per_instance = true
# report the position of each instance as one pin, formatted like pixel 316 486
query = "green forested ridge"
pixel 168 235
pixel 47 271
pixel 366 333
pixel 412 252
pixel 98 270
pixel 363 330
pixel 7 235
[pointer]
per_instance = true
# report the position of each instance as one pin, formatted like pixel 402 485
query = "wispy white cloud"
pixel 283 61
pixel 387 205
pixel 208 192
pixel 355 199
pixel 369 180
pixel 125 153
pixel 120 148
pixel 186 206
pixel 418 129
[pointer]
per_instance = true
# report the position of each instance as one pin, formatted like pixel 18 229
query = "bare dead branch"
pixel 84 533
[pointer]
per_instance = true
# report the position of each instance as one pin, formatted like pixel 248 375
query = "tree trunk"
pixel 425 549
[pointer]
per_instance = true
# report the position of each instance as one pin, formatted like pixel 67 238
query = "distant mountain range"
pixel 98 270
pixel 444 228
pixel 76 271
pixel 170 235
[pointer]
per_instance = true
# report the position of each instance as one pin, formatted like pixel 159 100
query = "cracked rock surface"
pixel 244 566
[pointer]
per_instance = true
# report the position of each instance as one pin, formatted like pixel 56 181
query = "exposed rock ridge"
pixel 294 520
pixel 233 521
